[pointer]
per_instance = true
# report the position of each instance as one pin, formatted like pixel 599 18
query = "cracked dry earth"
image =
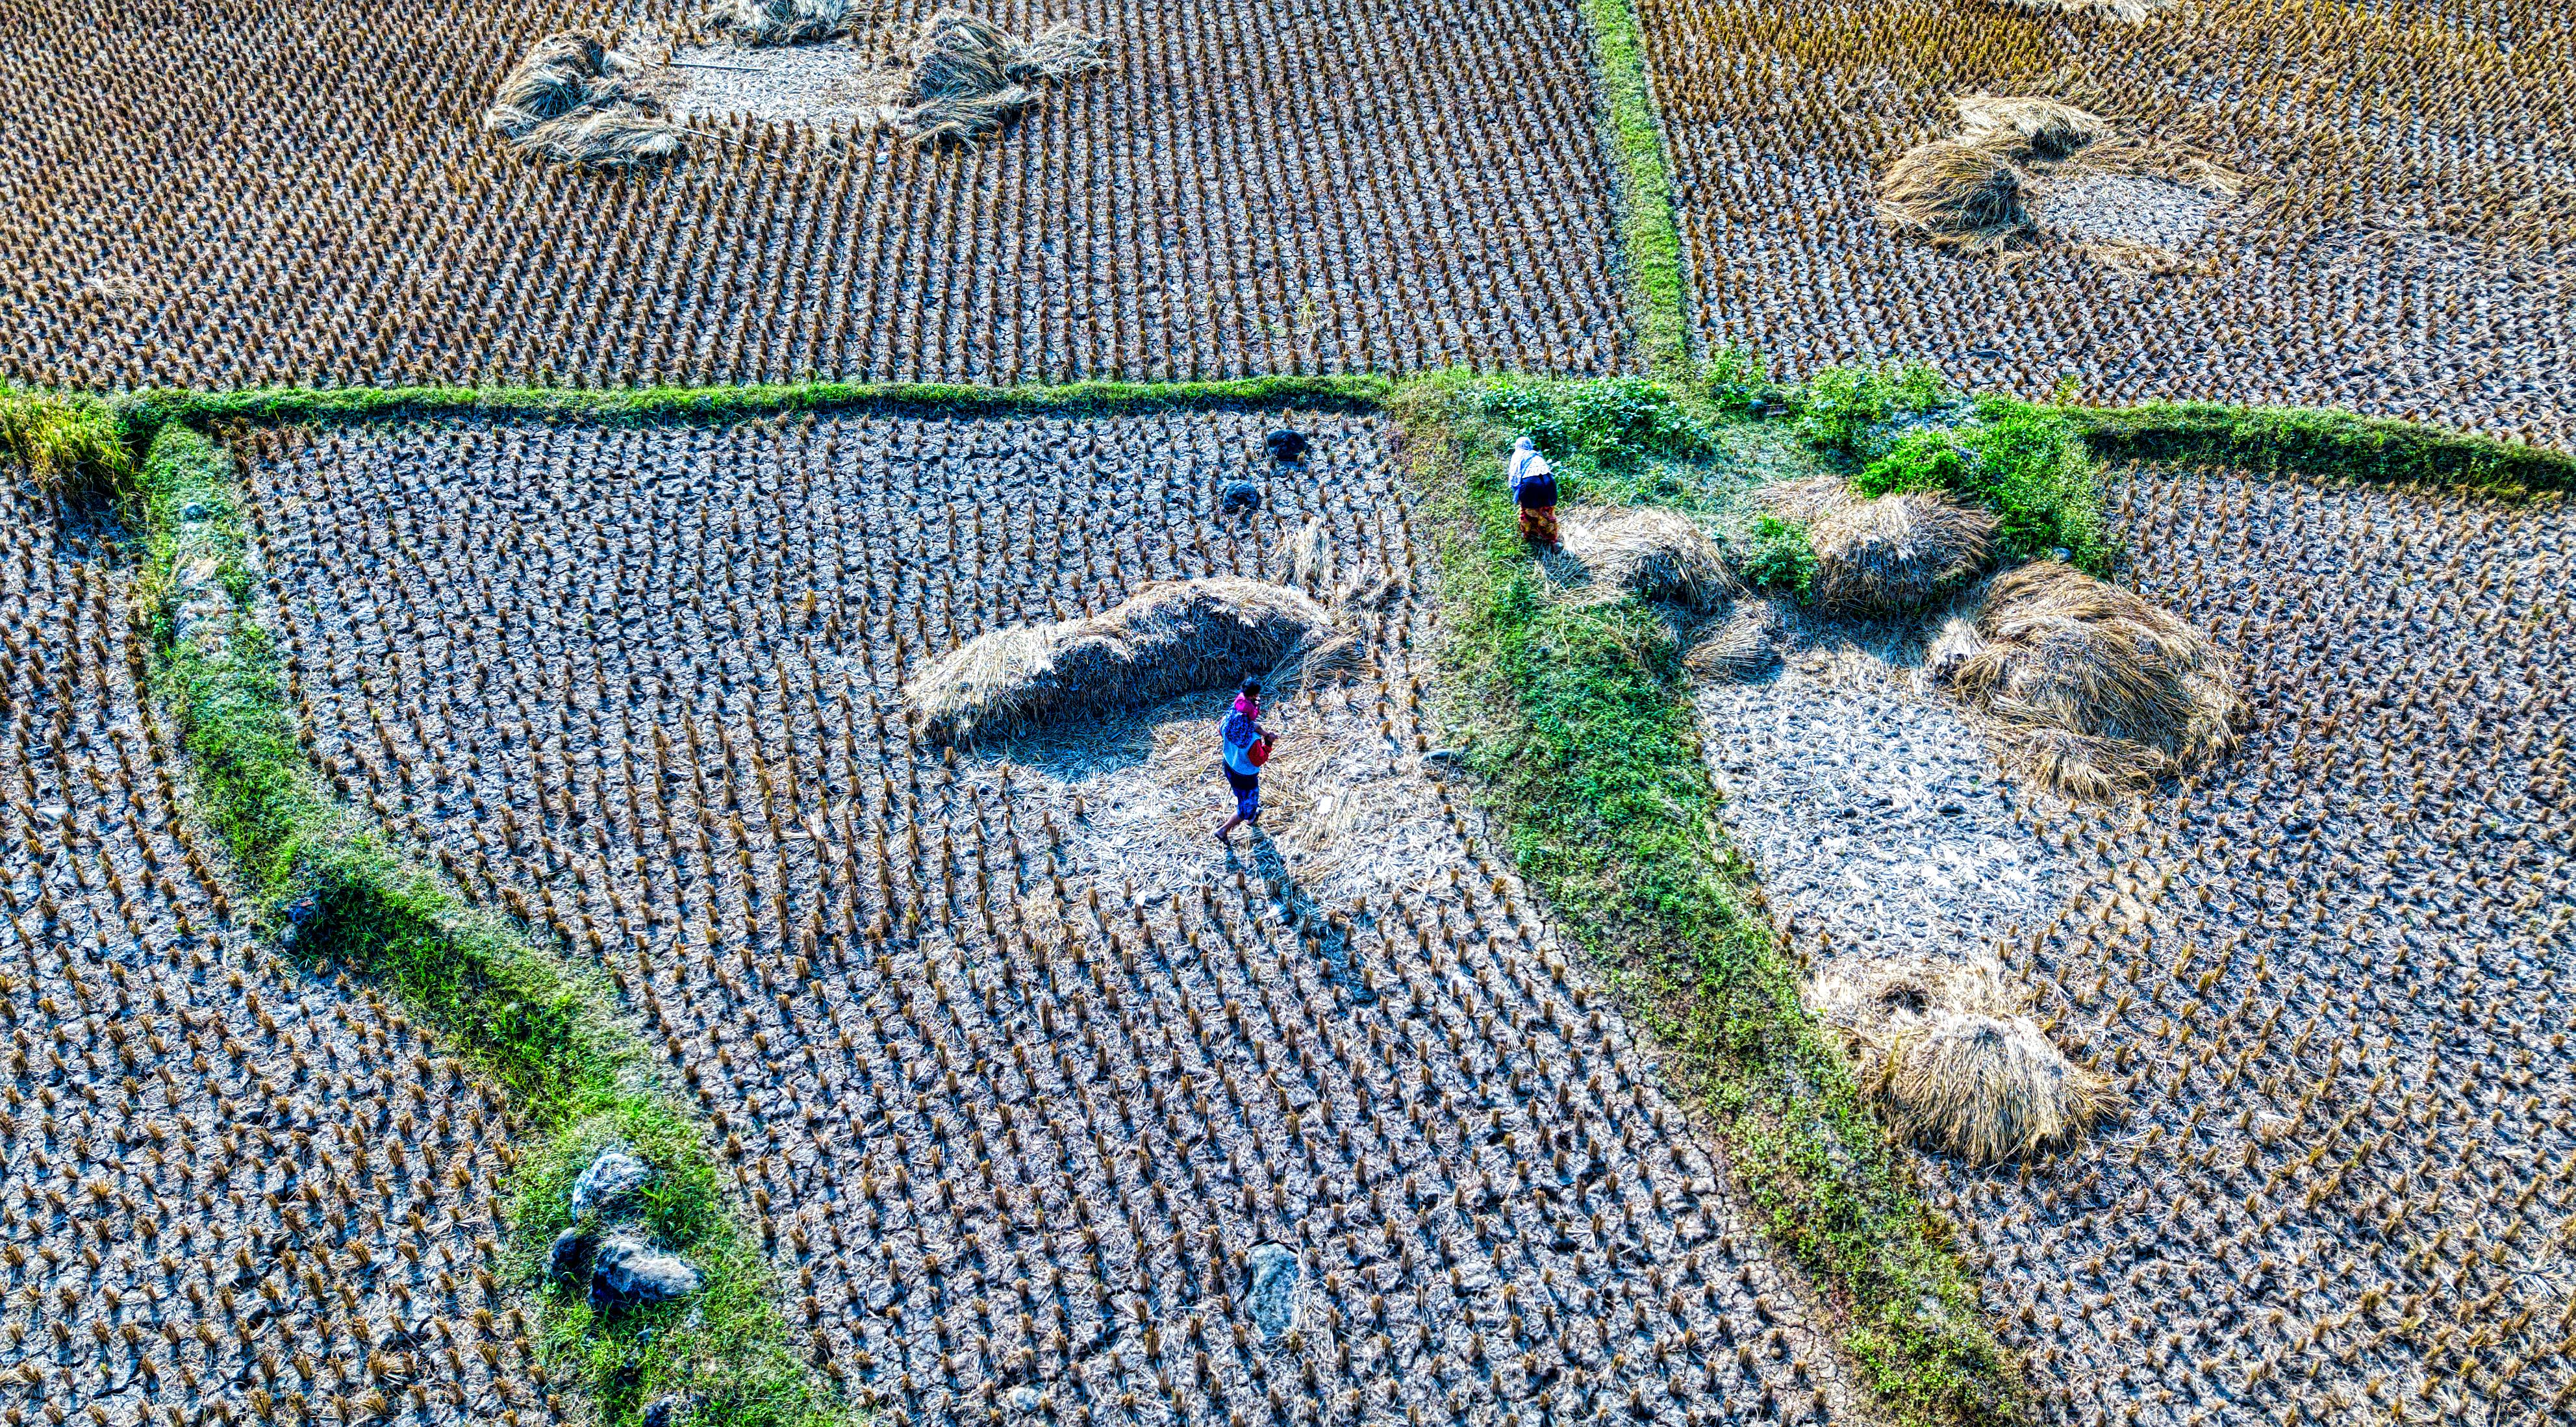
pixel 229 1188
pixel 2325 972
pixel 1020 1074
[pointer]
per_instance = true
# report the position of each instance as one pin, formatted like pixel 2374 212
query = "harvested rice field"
pixel 2320 974
pixel 1043 1102
pixel 235 1190
pixel 2400 242
pixel 1243 189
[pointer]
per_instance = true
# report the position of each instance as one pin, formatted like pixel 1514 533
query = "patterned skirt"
pixel 1538 524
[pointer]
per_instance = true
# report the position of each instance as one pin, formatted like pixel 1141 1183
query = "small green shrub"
pixel 2028 465
pixel 1782 557
pixel 1840 408
pixel 63 441
pixel 1608 424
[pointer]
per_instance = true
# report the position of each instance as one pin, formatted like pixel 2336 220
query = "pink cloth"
pixel 1246 707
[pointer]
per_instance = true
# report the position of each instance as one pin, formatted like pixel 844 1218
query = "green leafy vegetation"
pixel 1612 424
pixel 2027 464
pixel 2322 443
pixel 63 441
pixel 335 892
pixel 1840 409
pixel 1782 557
pixel 1584 735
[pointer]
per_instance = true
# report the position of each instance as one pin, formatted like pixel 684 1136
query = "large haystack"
pixel 1169 638
pixel 574 100
pixel 1655 554
pixel 1890 555
pixel 1987 1088
pixel 961 78
pixel 2101 691
pixel 776 22
pixel 2025 127
pixel 1941 1043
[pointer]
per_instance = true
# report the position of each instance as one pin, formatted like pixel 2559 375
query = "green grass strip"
pixel 1651 235
pixel 2322 442
pixel 64 441
pixel 1584 735
pixel 332 889
pixel 294 405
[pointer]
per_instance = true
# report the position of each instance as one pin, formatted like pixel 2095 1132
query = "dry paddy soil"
pixel 227 1187
pixel 1042 1101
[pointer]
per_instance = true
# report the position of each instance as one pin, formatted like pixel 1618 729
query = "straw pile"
pixel 2099 690
pixel 574 100
pixel 961 78
pixel 1170 638
pixel 776 22
pixel 1653 553
pixel 1971 190
pixel 1885 556
pixel 1940 1043
pixel 1987 1088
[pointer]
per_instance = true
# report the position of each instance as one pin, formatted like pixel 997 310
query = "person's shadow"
pixel 1331 934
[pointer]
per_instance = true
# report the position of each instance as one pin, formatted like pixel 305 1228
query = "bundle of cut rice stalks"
pixel 2098 691
pixel 776 22
pixel 1653 553
pixel 1971 190
pixel 1169 638
pixel 574 100
pixel 961 78
pixel 1890 555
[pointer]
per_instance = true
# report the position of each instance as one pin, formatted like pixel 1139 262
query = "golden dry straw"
pixel 962 78
pixel 1169 638
pixel 776 22
pixel 1655 554
pixel 1958 194
pixel 1987 1088
pixel 572 99
pixel 2024 127
pixel 1888 555
pixel 1743 648
pixel 2099 691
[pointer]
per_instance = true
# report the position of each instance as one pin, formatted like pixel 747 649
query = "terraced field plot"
pixel 2322 972
pixel 1247 189
pixel 2404 250
pixel 234 1189
pixel 1041 1098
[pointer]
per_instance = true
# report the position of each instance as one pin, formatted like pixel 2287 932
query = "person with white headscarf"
pixel 1534 491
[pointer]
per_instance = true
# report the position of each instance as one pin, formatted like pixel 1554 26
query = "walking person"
pixel 1247 747
pixel 1534 491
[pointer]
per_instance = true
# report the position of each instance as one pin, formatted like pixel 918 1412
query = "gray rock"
pixel 565 1256
pixel 611 1177
pixel 1025 1398
pixel 629 1271
pixel 192 511
pixel 665 1412
pixel 1238 496
pixel 1273 1298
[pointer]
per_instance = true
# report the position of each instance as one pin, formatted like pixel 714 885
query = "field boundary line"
pixel 1650 227
pixel 1583 737
pixel 2323 441
pixel 332 890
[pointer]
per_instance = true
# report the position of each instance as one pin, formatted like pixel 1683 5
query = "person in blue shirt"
pixel 1247 747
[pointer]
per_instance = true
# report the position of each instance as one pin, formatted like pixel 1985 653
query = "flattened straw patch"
pixel 962 78
pixel 2018 126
